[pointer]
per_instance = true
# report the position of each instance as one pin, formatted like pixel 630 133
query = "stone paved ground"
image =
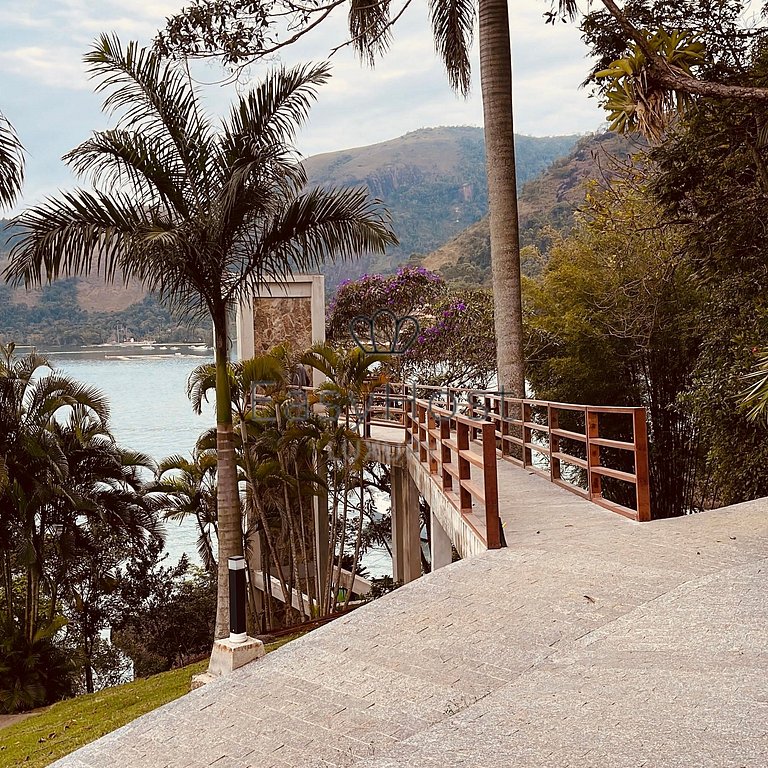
pixel 590 641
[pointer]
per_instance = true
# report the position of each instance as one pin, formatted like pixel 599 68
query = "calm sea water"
pixel 150 412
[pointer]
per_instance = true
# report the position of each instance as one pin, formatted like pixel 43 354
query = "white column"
pixel 439 544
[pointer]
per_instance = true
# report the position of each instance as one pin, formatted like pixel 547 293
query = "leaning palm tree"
pixel 200 213
pixel 11 163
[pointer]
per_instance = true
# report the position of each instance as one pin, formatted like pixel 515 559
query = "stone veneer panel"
pixel 280 319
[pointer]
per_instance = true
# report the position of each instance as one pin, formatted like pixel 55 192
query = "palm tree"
pixel 11 163
pixel 201 214
pixel 35 474
pixel 190 489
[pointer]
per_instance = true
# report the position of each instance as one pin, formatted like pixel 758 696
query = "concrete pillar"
pixel 406 527
pixel 439 544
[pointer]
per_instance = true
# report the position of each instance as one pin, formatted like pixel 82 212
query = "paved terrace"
pixel 590 641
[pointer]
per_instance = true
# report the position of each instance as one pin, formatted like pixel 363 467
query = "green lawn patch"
pixel 62 728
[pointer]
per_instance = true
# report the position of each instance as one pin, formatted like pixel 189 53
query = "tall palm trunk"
pixel 496 86
pixel 230 525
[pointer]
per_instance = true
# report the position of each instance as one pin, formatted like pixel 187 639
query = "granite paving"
pixel 589 641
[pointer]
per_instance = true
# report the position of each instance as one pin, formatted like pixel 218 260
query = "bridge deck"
pixel 589 641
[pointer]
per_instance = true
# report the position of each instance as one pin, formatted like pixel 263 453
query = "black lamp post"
pixel 237 596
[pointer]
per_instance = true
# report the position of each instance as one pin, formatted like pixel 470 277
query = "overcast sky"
pixel 45 93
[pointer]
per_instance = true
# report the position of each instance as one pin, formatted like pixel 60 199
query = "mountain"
pixel 546 202
pixel 431 180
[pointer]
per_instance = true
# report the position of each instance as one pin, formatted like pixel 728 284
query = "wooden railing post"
pixel 422 433
pixel 643 489
pixel 490 487
pixel 445 452
pixel 462 441
pixel 431 441
pixel 527 437
pixel 554 444
pixel 592 424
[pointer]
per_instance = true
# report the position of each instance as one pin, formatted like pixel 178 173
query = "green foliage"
pixel 723 26
pixel 54 317
pixel 755 396
pixel 632 99
pixel 165 615
pixel 616 319
pixel 33 672
pixel 455 344
pixel 711 179
pixel 72 506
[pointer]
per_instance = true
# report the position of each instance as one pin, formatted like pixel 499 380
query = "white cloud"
pixel 58 67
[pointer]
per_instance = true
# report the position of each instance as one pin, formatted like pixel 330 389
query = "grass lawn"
pixel 63 727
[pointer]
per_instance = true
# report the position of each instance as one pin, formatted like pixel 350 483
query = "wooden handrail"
pixel 441 440
pixel 539 435
pixel 497 406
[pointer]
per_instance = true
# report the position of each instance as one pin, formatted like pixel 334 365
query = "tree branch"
pixel 674 78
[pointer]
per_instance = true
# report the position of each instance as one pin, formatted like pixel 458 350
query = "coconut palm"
pixel 199 213
pixel 11 163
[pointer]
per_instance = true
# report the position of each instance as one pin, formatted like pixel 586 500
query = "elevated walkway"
pixel 589 641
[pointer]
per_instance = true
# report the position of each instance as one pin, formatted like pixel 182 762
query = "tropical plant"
pixel 190 490
pixel 698 51
pixel 164 615
pixel 755 395
pixel 454 345
pixel 617 320
pixel 201 215
pixel 301 458
pixel 35 481
pixel 72 507
pixel 11 163
pixel 634 100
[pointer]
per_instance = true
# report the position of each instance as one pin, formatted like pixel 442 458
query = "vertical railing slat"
pixel 643 490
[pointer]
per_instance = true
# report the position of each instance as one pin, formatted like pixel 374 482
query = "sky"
pixel 46 94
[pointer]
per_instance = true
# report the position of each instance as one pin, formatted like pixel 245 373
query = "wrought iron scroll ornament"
pixel 384 333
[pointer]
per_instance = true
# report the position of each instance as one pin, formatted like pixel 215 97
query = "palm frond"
pixel 153 96
pixel 11 163
pixel 755 396
pixel 112 158
pixel 453 24
pixel 370 28
pixel 319 225
pixel 271 113
pixel 77 234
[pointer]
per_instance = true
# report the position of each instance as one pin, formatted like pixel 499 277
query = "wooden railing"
pixel 540 433
pixel 534 428
pixel 440 439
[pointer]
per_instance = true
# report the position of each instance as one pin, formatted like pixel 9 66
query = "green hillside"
pixel 546 202
pixel 432 181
